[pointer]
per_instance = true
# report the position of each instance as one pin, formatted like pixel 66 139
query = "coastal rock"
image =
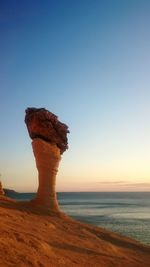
pixel 47 158
pixel 1 189
pixel 45 125
pixel 49 137
pixel 10 193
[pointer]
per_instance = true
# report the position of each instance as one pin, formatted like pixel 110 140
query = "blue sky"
pixel 88 62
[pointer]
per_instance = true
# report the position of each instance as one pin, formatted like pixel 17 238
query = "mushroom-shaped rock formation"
pixel 1 189
pixel 49 137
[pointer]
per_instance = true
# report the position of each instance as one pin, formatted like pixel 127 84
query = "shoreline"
pixel 31 237
pixel 126 214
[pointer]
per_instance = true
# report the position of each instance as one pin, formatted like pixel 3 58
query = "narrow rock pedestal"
pixel 47 157
pixel 49 142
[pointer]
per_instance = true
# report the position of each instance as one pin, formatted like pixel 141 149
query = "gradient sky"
pixel 87 61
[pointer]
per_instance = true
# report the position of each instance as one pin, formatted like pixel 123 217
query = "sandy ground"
pixel 31 237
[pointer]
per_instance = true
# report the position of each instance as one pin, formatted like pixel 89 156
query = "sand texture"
pixel 30 237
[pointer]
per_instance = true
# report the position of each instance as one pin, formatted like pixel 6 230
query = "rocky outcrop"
pixel 49 137
pixel 1 189
pixel 43 124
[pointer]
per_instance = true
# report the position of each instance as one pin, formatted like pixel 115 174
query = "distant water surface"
pixel 121 212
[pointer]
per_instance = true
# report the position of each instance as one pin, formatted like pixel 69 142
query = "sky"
pixel 87 61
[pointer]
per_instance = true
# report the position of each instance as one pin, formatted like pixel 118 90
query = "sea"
pixel 122 212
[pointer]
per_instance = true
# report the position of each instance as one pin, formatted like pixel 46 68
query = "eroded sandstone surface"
pixel 49 141
pixel 47 158
pixel 32 238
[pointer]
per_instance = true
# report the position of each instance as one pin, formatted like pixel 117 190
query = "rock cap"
pixel 43 124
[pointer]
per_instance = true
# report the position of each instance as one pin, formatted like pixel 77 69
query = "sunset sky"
pixel 87 61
